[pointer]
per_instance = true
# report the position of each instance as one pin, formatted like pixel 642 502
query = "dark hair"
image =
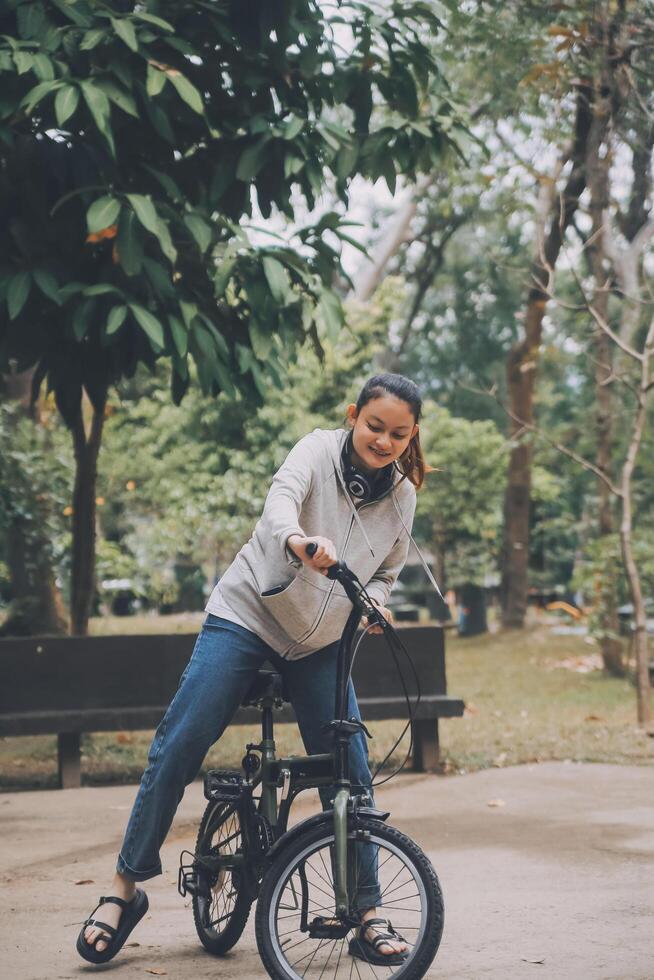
pixel 412 462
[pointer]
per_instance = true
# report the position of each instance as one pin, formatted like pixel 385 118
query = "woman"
pixel 354 495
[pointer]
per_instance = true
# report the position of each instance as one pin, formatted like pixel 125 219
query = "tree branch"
pixel 530 427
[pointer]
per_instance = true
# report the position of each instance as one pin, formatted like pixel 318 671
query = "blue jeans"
pixel 225 660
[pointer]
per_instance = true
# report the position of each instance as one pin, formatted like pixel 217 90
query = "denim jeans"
pixel 225 660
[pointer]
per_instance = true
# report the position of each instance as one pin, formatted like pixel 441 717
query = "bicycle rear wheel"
pixel 302 875
pixel 221 905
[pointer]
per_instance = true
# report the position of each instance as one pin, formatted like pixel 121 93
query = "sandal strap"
pixel 373 922
pixel 102 925
pixel 113 898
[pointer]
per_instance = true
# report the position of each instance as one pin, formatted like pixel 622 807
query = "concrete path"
pixel 555 882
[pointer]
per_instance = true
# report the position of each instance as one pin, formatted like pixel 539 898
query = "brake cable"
pixel 389 631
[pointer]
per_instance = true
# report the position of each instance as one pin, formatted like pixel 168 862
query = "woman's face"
pixel 381 431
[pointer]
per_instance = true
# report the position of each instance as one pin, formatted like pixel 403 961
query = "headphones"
pixel 362 485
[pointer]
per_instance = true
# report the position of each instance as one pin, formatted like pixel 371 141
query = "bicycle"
pixel 306 878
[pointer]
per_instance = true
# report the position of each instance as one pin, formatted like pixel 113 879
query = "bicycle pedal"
pixel 190 879
pixel 322 928
pixel 225 785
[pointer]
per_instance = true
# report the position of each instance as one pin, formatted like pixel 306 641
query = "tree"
pixel 135 139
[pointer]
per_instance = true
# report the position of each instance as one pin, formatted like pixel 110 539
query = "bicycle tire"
pixel 281 871
pixel 223 820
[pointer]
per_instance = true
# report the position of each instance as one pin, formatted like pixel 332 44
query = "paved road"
pixel 555 884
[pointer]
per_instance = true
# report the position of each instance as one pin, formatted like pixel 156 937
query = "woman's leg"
pixel 311 686
pixel 225 659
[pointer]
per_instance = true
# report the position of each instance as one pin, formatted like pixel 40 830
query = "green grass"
pixel 522 706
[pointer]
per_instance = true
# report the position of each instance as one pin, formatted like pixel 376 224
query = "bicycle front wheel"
pixel 299 887
pixel 222 905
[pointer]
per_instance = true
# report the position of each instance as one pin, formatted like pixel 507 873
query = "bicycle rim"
pixel 404 902
pixel 216 910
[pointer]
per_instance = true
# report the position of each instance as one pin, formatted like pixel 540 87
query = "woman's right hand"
pixel 324 557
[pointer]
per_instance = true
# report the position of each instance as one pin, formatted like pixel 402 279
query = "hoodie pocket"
pixel 294 606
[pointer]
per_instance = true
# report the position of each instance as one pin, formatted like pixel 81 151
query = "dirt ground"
pixel 553 881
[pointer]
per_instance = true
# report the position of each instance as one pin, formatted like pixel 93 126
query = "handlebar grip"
pixel 311 549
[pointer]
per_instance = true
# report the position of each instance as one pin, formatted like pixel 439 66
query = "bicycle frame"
pixel 296 773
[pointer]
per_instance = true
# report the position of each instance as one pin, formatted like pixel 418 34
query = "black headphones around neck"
pixel 363 486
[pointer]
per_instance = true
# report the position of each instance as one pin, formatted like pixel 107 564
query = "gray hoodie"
pixel 292 608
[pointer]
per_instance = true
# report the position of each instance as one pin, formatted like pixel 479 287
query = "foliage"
pixel 35 474
pixel 459 511
pixel 190 482
pixel 134 139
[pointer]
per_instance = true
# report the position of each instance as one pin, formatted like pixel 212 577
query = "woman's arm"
pixel 290 487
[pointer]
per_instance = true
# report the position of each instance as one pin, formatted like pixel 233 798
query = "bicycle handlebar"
pixel 341 573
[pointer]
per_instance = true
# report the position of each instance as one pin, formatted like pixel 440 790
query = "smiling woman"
pixel 385 427
pixel 352 496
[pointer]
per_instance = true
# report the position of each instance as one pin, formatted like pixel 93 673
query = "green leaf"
pixel 128 243
pixel 261 340
pixel 155 81
pixel 277 278
pixel 187 91
pixel 223 275
pixel 66 102
pixel 145 212
pixel 251 161
pixel 98 104
pixel 157 21
pixel 47 284
pixel 23 61
pixel 115 319
pixel 119 96
pixel 102 213
pixel 82 318
pixel 165 241
pixel 99 289
pixel 160 278
pixel 180 335
pixel 168 184
pixel 331 313
pixel 200 230
pixel 346 161
pixel 43 68
pixel 17 293
pixel 150 326
pixel 36 94
pixel 92 38
pixel 125 31
pixel 189 312
pixel 294 126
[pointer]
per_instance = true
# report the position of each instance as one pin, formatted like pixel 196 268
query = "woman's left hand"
pixel 386 613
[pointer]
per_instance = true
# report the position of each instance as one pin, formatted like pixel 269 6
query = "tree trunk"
pixel 522 363
pixel 641 643
pixel 82 588
pixel 598 161
pixel 36 606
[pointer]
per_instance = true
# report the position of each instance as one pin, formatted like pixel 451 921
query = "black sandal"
pixel 114 937
pixel 368 949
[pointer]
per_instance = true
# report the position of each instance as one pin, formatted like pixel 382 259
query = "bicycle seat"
pixel 266 684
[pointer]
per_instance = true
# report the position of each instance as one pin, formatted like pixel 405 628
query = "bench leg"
pixel 426 754
pixel 68 759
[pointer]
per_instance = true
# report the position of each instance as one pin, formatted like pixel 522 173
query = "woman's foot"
pixel 123 888
pixel 389 947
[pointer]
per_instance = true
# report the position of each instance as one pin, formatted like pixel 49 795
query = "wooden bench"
pixel 65 686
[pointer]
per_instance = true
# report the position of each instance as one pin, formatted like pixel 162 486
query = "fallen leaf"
pixel 593 718
pixel 496 803
pixel 525 959
pixel 132 944
pixel 85 881
pixel 156 971
pixel 500 759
